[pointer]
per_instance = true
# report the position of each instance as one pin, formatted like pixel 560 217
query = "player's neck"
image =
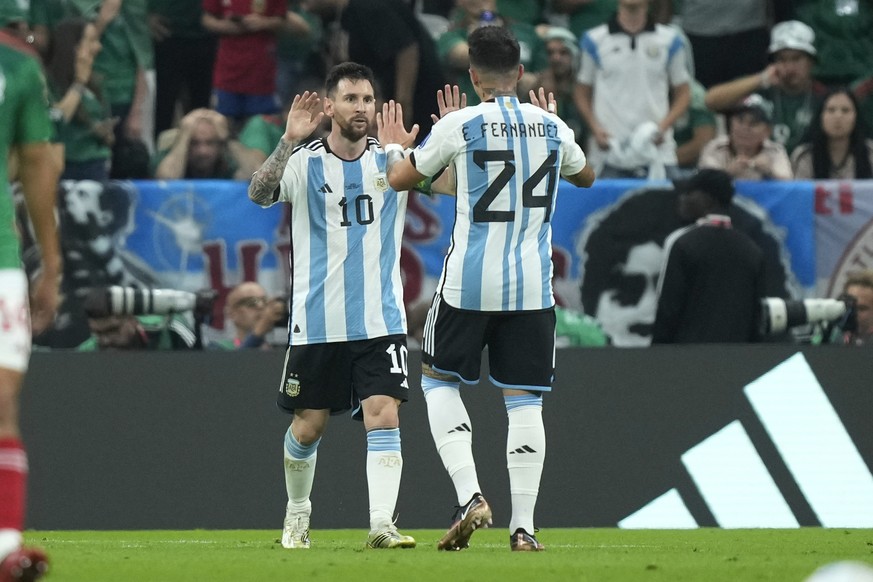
pixel 488 93
pixel 489 85
pixel 344 148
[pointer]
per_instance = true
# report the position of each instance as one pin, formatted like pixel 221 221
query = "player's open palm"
pixel 389 125
pixel 448 100
pixel 305 115
pixel 546 103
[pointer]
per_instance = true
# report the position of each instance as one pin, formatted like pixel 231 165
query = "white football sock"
pixel 384 467
pixel 525 454
pixel 299 472
pixel 452 434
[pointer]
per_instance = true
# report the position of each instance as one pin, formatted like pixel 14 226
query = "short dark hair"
pixel 493 49
pixel 348 70
pixel 716 183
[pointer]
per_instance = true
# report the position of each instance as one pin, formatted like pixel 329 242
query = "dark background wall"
pixel 182 440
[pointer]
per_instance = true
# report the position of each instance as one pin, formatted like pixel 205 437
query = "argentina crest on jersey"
pixel 292 386
pixel 380 182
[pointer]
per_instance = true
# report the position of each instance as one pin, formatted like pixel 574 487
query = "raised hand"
pixel 389 125
pixel 305 115
pixel 542 102
pixel 771 77
pixel 448 100
pixel 219 122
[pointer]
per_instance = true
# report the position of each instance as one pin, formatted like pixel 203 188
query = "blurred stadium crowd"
pixel 163 89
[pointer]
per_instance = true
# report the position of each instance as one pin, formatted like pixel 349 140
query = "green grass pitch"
pixel 597 555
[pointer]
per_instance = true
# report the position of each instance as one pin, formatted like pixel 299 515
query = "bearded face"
pixel 352 107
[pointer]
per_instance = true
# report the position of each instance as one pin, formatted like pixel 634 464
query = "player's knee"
pixel 306 437
pixel 10 387
pixel 294 449
pixel 8 411
pixel 306 433
pixel 381 412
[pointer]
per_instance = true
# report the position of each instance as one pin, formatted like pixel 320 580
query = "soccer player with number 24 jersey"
pixel 496 285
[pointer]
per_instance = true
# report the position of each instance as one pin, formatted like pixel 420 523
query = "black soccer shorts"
pixel 521 345
pixel 338 376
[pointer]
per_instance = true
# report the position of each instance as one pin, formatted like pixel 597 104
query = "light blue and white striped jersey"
pixel 507 156
pixel 346 230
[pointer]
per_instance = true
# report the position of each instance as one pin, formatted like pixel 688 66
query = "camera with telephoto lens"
pixel 778 315
pixel 842 329
pixel 117 300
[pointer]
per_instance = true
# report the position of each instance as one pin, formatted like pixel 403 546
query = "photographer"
pixel 856 327
pixel 128 318
pixel 253 315
pixel 139 332
pixel 859 286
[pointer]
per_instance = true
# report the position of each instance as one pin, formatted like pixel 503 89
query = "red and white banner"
pixel 843 232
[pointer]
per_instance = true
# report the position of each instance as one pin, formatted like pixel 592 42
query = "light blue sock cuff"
pixel 298 451
pixel 513 402
pixel 383 439
pixel 428 383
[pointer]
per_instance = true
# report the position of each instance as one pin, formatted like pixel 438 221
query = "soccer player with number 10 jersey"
pixel 347 331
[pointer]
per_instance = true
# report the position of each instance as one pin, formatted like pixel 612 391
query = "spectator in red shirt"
pixel 244 76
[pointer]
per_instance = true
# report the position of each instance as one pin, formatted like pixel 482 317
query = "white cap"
pixel 792 34
pixel 567 38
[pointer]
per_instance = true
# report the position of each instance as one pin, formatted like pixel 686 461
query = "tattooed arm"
pixel 266 179
pixel 302 121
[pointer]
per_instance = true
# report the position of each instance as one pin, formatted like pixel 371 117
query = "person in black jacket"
pixel 386 36
pixel 712 280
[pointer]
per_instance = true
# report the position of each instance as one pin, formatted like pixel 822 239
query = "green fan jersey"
pixel 792 114
pixel 127 47
pixel 263 132
pixel 24 119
